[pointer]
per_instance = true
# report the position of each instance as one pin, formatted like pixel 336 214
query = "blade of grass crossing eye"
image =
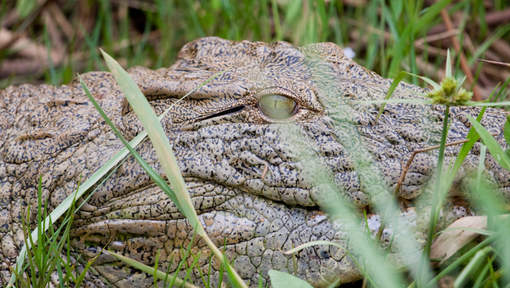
pixel 494 148
pixel 157 135
pixel 161 145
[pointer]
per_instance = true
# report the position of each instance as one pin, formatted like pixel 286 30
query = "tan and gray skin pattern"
pixel 246 181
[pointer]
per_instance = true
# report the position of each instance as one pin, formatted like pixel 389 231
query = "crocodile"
pixel 246 181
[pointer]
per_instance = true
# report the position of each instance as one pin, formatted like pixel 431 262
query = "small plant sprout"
pixel 449 91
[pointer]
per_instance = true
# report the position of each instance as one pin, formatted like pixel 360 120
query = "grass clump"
pixel 50 251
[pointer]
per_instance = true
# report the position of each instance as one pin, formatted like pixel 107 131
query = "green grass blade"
pixel 472 137
pixel 472 266
pixel 152 174
pixel 427 80
pixel 161 145
pixel 448 72
pixel 283 280
pixel 500 32
pixel 483 273
pixel 506 130
pixel 339 210
pixel 68 201
pixel 149 270
pixel 494 148
pixel 24 7
pixel 488 104
pixel 459 261
pixel 158 137
pixel 392 88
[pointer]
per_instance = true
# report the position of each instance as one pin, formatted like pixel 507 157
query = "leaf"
pixel 448 72
pixel 284 280
pixel 494 148
pixel 396 7
pixel 429 81
pixel 24 7
pixel 458 234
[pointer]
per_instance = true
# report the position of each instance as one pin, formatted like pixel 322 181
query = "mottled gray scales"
pixel 245 179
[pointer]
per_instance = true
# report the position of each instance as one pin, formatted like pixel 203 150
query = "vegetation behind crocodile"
pixel 246 181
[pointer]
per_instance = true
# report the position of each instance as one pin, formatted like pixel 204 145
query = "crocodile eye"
pixel 277 107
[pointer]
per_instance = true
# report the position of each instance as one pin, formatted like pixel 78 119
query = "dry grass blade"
pixel 458 234
pixel 495 62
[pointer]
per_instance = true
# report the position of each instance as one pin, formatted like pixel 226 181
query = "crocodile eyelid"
pixel 278 91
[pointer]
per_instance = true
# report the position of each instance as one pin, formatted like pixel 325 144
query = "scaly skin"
pixel 245 179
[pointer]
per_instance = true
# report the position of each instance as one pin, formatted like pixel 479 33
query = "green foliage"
pixel 495 149
pixel 450 93
pixel 152 125
pixel 283 280
pixel 24 7
pixel 49 243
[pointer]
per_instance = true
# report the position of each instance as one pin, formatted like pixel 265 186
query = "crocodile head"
pixel 246 180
